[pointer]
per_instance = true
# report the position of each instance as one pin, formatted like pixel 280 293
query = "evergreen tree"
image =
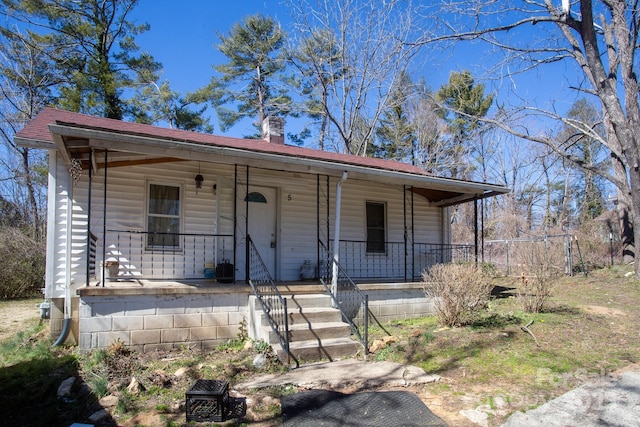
pixel 462 101
pixel 363 50
pixel 319 63
pixel 95 50
pixel 396 132
pixel 158 103
pixel 589 155
pixel 249 80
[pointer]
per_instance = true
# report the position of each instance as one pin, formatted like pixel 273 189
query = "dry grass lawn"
pixel 590 327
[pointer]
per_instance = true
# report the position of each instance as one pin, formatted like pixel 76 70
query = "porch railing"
pixel 398 260
pixel 168 256
pixel 273 305
pixel 349 299
pixel 91 256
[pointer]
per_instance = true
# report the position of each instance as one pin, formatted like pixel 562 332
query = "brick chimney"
pixel 273 130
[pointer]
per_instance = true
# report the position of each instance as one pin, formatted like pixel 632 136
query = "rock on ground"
pixel 65 388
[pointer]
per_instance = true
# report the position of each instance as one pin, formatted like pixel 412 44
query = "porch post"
pixel 318 247
pixel 482 230
pixel 89 214
pixel 68 249
pixel 104 219
pixel 235 219
pixel 246 228
pixel 475 227
pixel 404 226
pixel 413 238
pixel 327 252
pixel 336 231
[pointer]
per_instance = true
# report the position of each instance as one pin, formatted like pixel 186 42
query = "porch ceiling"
pixel 450 198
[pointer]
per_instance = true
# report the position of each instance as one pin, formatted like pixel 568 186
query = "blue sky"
pixel 183 36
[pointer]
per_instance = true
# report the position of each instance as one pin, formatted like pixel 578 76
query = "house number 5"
pixel 289 198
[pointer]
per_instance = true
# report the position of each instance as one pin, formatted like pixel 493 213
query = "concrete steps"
pixel 314 350
pixel 316 330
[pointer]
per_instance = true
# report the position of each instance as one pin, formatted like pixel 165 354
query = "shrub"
pixel 593 237
pixel 460 291
pixel 538 276
pixel 22 266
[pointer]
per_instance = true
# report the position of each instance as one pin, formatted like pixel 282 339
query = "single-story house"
pixel 159 238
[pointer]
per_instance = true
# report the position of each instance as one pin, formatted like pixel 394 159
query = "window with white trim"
pixel 163 216
pixel 376 227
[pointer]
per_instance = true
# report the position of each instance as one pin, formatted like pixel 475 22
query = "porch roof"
pixel 74 135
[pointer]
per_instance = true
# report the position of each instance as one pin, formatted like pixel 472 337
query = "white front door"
pixel 261 226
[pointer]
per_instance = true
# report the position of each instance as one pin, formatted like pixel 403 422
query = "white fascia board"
pixel 33 143
pixel 194 151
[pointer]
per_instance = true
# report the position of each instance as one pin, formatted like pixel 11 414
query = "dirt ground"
pixel 13 315
pixel 605 317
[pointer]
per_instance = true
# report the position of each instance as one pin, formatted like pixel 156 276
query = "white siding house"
pixel 148 228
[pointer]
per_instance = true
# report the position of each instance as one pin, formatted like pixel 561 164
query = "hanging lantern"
pixel 199 179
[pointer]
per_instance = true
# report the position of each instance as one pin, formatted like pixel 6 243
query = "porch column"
pixel 68 246
pixel 475 227
pixel 66 322
pixel 336 235
pixel 88 260
pixel 404 228
pixel 247 257
pixel 104 220
pixel 413 237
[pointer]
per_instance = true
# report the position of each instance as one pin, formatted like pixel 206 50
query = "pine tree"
pixel 249 80
pixel 158 103
pixel 589 154
pixel 95 50
pixel 319 63
pixel 396 132
pixel 462 100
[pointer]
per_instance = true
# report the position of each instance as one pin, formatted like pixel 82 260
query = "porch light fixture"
pixel 199 178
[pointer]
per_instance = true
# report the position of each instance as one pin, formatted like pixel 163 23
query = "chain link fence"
pixel 566 253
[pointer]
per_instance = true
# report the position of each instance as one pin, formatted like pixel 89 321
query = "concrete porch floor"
pixel 199 286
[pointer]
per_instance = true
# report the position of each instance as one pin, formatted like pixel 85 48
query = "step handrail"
pixel 273 305
pixel 349 300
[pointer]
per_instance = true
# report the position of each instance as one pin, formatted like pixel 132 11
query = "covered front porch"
pixel 128 260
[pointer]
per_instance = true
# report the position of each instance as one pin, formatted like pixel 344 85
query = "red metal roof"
pixel 37 130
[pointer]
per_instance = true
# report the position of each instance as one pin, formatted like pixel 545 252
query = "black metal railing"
pixel 148 255
pixel 273 305
pixel 435 253
pixel 398 260
pixel 91 256
pixel 347 297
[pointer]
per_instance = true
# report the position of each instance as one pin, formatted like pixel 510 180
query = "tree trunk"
pixel 622 120
pixel 634 176
pixel 31 198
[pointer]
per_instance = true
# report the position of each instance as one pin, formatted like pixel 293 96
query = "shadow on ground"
pixel 29 394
